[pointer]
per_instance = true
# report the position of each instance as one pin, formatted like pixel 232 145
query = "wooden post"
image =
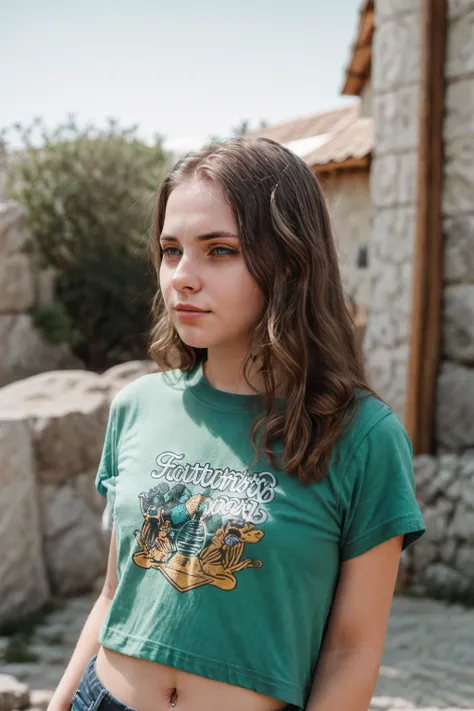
pixel 428 256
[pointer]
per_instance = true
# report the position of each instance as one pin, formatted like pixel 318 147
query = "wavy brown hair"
pixel 305 341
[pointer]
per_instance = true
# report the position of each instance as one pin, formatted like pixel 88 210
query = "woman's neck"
pixel 224 369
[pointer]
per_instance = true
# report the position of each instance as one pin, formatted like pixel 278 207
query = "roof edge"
pixel 359 68
pixel 346 164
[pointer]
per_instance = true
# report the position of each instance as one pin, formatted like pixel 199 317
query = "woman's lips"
pixel 190 313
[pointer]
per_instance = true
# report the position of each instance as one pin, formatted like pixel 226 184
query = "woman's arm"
pixel 349 662
pixel 88 643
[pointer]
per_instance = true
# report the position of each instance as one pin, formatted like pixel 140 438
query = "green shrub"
pixel 88 195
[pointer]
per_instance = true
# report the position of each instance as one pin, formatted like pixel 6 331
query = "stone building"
pixel 412 66
pixel 415 60
pixel 337 146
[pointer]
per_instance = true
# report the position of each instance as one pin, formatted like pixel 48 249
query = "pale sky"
pixel 185 69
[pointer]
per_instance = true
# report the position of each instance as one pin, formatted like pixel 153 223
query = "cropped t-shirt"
pixel 227 566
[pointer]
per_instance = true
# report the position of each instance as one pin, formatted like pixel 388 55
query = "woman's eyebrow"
pixel 217 234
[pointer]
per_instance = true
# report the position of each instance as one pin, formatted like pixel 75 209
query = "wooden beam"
pixel 428 257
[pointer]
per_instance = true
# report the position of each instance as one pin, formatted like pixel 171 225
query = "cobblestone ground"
pixel 428 663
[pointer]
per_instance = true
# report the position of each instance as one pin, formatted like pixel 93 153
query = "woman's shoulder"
pixel 372 423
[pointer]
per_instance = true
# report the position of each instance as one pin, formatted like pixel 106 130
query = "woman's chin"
pixel 193 340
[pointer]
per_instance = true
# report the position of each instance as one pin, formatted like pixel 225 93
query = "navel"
pixel 174 698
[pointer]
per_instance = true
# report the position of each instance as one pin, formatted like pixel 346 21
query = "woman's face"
pixel 203 268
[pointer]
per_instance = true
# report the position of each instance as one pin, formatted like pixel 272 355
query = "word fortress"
pixel 243 494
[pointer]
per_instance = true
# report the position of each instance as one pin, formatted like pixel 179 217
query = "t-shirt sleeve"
pixel 106 477
pixel 378 500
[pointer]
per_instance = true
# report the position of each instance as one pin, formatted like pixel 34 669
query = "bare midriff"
pixel 149 686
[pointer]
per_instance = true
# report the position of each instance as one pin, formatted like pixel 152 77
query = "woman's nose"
pixel 186 276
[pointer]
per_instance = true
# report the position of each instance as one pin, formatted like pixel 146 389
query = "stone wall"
pixel 350 206
pixel 455 403
pixel 395 87
pixel 442 561
pixel 52 429
pixel 23 351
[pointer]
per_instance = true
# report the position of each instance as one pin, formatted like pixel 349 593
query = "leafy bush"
pixel 88 195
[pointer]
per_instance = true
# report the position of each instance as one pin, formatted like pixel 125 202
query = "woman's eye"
pixel 171 251
pixel 222 251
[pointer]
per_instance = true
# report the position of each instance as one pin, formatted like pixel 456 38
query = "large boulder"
pixel 66 414
pixel 23 581
pixel 58 420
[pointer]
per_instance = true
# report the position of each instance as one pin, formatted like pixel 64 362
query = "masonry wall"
pixel 395 89
pixel 455 402
pixel 350 206
pixel 443 560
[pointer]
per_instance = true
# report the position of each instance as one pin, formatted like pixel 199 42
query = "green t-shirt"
pixel 227 566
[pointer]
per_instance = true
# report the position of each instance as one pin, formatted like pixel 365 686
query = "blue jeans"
pixel 92 694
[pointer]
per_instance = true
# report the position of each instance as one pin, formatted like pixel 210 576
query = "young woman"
pixel 261 493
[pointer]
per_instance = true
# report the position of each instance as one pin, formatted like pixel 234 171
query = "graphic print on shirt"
pixel 199 539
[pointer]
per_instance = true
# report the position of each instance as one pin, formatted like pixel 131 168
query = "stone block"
pixel 458 323
pixel 396 52
pixel 465 561
pixel 391 293
pixel 407 179
pixel 448 551
pixel 396 120
pixel 394 180
pixel 17 286
pixel 393 235
pixel 23 584
pixel 387 8
pixel 436 520
pixel 458 197
pixel 460 42
pixel 384 181
pixel 386 286
pixel 459 7
pixel 446 473
pixel 426 471
pixel 455 407
pixel 459 250
pixel 445 580
pixel 387 372
pixel 424 554
pixel 389 329
pixel 462 524
pixel 466 477
pixel 459 107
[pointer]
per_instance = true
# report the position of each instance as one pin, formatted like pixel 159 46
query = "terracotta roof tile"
pixel 330 137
